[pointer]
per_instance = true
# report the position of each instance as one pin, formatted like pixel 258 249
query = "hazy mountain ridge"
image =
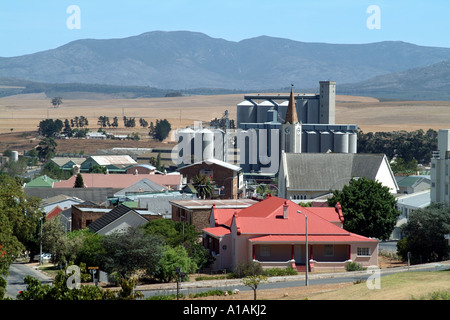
pixel 185 60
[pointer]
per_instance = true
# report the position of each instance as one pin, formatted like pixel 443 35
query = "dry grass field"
pixel 23 113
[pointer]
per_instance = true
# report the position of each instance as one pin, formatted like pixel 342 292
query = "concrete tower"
pixel 291 129
pixel 327 102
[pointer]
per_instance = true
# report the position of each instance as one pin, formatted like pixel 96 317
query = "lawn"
pixel 399 286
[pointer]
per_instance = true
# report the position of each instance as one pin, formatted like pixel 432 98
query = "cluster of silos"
pixel 321 141
pixel 199 144
pixel 249 111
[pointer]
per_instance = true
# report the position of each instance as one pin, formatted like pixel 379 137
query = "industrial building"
pixel 305 123
pixel 440 172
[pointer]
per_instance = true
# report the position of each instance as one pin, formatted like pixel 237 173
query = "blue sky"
pixel 28 26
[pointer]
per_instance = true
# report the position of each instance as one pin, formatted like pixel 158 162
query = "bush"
pixel 354 266
pixel 248 268
pixel 274 272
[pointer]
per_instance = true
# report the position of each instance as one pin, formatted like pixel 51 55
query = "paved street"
pixel 17 273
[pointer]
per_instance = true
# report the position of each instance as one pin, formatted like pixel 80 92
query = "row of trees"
pixel 154 249
pixel 74 128
pixel 409 146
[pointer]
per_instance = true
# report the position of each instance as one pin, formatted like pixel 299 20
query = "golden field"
pixel 24 112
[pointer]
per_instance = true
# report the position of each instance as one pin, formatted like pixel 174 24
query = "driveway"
pixel 17 273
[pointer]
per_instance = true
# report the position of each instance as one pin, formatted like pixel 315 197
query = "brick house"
pixel 84 215
pixel 198 211
pixel 228 178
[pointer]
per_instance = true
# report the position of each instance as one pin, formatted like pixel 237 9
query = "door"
pixel 299 257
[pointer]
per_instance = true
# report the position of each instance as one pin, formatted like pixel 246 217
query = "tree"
pixel 50 127
pixel 424 235
pixel 46 148
pixel 172 258
pixel 67 130
pixel 368 207
pixel 55 241
pixel 176 233
pixel 143 123
pixel 253 282
pixel 59 290
pixel 79 183
pixel 19 221
pixel 161 130
pixel 57 101
pixel 203 185
pixel 129 251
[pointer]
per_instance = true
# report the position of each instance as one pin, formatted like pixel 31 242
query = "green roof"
pixel 41 182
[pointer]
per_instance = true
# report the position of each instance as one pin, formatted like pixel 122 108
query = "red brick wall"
pixel 220 175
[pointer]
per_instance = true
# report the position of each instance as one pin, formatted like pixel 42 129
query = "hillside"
pixel 186 60
pixel 425 83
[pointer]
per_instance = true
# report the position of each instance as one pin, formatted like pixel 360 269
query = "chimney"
pixel 285 210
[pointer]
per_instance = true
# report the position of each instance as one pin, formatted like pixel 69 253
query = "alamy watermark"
pixel 256 146
pixel 374 280
pixel 74 20
pixel 374 20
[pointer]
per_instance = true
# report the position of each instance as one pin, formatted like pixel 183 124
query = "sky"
pixel 29 26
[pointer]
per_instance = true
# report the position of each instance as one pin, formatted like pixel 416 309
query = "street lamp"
pixel 307 253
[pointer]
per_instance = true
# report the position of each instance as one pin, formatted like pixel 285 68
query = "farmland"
pixel 22 113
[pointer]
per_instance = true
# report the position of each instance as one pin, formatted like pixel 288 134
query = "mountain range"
pixel 186 60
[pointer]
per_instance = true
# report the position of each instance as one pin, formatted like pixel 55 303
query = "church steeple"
pixel 291 113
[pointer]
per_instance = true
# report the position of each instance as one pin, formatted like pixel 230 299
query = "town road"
pixel 17 273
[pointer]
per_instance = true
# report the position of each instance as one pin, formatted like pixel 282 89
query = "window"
pixel 265 251
pixel 328 250
pixel 363 252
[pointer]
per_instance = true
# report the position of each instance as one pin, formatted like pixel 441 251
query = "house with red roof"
pixel 273 233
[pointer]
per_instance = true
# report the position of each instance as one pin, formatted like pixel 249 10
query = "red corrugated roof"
pixel 217 231
pixel 266 217
pixel 267 222
pixel 223 216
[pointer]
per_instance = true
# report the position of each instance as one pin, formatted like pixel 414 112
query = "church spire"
pixel 291 113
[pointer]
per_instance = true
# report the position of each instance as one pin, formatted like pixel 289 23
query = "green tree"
pixel 57 101
pixel 19 221
pixel 59 290
pixel 50 127
pixel 368 207
pixel 176 233
pixel 253 282
pixel 79 183
pixel 129 251
pixel 67 130
pixel 55 241
pixel 174 257
pixel 161 130
pixel 46 148
pixel 424 235
pixel 203 185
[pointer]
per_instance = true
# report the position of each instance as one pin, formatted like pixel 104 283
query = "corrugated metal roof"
pixel 322 171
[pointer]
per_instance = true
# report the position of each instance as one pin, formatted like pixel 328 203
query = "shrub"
pixel 273 272
pixel 248 268
pixel 354 266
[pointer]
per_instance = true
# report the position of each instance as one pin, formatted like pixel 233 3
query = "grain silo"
pixel 340 142
pixel 246 113
pixel 326 141
pixel 352 142
pixel 313 142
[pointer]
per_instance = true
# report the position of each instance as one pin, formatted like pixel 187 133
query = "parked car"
pixel 45 257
